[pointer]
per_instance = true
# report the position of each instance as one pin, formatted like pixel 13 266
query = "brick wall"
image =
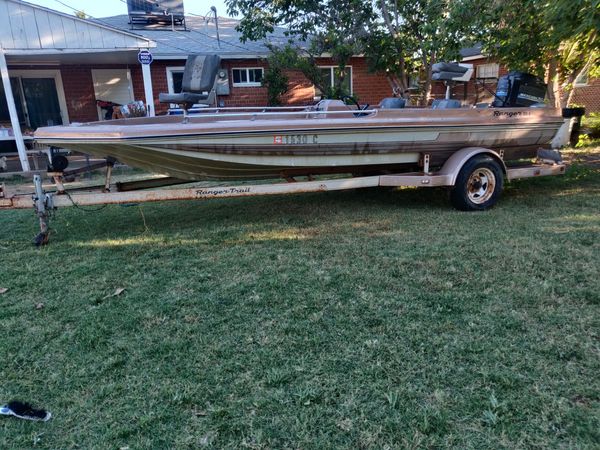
pixel 589 96
pixel 81 102
pixel 79 89
pixel 300 90
pixel 242 95
pixel 368 87
pixel 158 70
pixel 79 93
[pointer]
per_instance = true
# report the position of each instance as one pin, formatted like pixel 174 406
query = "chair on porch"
pixel 198 84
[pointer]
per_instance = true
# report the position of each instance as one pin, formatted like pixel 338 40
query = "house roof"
pixel 31 29
pixel 199 37
pixel 469 52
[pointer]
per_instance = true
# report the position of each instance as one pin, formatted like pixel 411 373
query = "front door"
pixel 42 103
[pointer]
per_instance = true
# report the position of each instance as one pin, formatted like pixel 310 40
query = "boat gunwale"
pixel 89 136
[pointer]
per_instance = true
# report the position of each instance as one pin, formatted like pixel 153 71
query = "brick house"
pixel 243 64
pixel 242 68
pixel 56 67
pixel 587 93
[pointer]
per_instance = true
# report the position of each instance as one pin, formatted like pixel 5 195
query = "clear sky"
pixel 104 8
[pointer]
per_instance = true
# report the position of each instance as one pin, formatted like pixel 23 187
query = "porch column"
pixel 14 116
pixel 147 75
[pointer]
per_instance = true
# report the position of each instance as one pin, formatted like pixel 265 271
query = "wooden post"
pixel 147 75
pixel 12 110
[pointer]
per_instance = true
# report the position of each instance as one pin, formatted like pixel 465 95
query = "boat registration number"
pixel 296 139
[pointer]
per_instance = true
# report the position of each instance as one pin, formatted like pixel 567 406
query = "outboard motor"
pixel 519 89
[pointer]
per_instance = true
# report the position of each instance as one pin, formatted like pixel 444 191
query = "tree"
pixel 575 44
pixel 412 35
pixel 558 39
pixel 333 27
pixel 399 37
pixel 276 82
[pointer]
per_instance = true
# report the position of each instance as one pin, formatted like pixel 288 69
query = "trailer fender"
pixel 452 166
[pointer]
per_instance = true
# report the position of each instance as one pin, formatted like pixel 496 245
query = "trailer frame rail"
pixel 45 202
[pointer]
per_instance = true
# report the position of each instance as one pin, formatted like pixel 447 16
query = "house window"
pixel 251 76
pixel 39 98
pixel 490 70
pixel 174 79
pixel 330 79
pixel 112 85
pixel 582 79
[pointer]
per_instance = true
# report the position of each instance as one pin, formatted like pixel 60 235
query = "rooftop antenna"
pixel 213 11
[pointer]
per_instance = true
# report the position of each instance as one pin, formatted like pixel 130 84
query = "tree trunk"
pixel 570 97
pixel 551 82
pixel 566 93
pixel 427 87
pixel 395 84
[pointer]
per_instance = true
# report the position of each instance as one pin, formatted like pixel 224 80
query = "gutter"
pixel 471 58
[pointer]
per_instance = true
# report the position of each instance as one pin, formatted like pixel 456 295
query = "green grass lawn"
pixel 361 319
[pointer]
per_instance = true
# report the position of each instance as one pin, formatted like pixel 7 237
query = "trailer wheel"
pixel 59 163
pixel 478 185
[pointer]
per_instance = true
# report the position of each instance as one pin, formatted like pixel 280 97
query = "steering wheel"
pixel 355 103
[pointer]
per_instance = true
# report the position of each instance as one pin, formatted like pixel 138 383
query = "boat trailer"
pixel 44 203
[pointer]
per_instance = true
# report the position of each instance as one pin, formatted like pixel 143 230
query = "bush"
pixel 591 125
pixel 276 83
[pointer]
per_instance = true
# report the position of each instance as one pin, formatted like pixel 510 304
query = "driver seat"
pixel 198 81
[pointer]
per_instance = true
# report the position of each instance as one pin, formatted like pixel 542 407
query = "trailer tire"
pixel 59 163
pixel 478 185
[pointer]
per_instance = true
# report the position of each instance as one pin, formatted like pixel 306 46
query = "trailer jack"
pixel 43 204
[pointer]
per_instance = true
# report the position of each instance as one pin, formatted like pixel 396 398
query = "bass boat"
pixel 327 138
pixel 330 137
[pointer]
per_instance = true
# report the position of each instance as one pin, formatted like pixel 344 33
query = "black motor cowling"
pixel 519 89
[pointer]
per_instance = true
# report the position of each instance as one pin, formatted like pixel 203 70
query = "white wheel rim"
pixel 481 185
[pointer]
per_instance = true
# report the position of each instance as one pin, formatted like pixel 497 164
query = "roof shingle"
pixel 200 37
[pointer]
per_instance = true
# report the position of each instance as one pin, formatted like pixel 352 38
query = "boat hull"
pixel 273 147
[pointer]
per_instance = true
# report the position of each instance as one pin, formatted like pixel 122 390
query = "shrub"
pixel 591 125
